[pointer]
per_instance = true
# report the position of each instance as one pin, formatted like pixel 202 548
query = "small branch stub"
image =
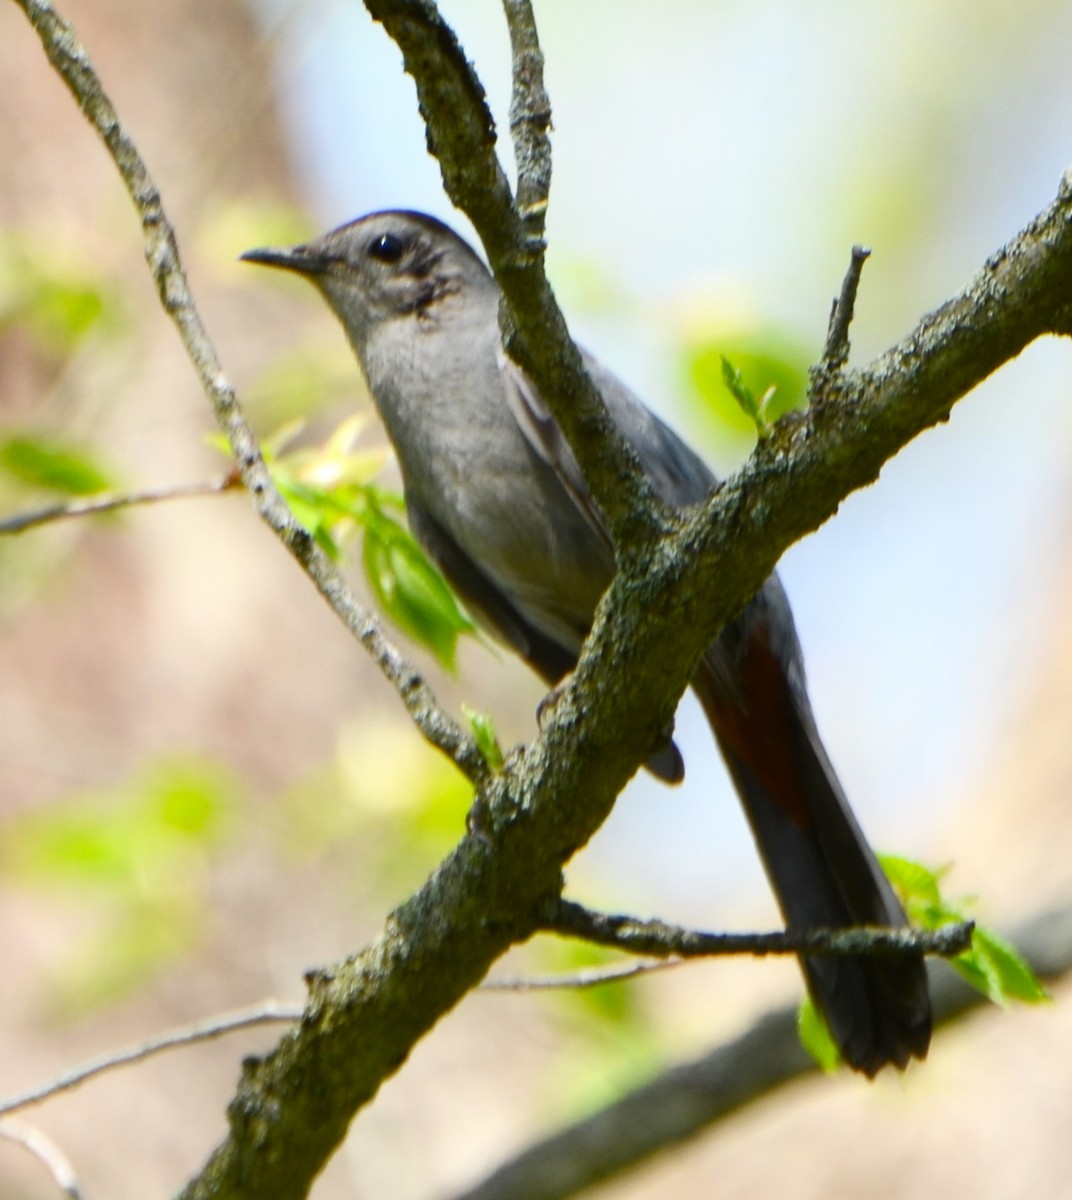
pixel 836 351
pixel 530 122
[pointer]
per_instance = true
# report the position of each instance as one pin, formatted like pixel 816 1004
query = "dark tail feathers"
pixel 822 870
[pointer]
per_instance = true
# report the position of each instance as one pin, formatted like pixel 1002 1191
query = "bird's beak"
pixel 301 259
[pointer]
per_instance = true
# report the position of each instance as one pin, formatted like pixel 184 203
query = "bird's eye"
pixel 387 248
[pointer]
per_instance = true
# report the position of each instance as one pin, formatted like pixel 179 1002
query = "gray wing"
pixel 488 604
pixel 678 476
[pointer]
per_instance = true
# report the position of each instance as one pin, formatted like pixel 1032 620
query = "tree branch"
pixel 657 939
pixel 47 1152
pixel 530 120
pixel 663 609
pixel 687 1100
pixel 269 1012
pixel 798 477
pixel 112 501
pixel 836 351
pixel 652 938
pixel 461 135
pixel 683 577
pixel 71 61
pixel 581 979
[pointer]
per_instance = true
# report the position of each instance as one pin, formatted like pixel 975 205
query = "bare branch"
pixel 688 1099
pixel 836 351
pixel 588 977
pixel 111 501
pixel 269 1012
pixel 657 939
pixel 72 62
pixel 47 1152
pixel 530 120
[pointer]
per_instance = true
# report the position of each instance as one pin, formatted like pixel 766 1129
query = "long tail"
pixel 821 868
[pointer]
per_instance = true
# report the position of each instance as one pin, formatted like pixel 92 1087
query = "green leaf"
pixel 330 493
pixel 973 970
pixel 384 499
pixel 913 882
pixel 45 463
pixel 65 310
pixel 55 292
pixel 815 1037
pixel 1018 980
pixel 313 509
pixel 327 487
pixel 1007 974
pixel 135 859
pixel 756 409
pixel 769 373
pixel 411 592
pixel 992 965
pixel 739 390
pixel 486 740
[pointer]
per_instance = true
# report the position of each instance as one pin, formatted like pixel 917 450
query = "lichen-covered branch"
pixel 530 119
pixel 796 479
pixel 657 939
pixel 856 421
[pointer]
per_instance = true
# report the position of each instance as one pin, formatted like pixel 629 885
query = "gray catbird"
pixel 496 497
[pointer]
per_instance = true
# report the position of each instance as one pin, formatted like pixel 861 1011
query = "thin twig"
pixel 660 940
pixel 266 1013
pixel 836 351
pixel 587 977
pixel 72 62
pixel 530 121
pixel 110 501
pixel 47 1152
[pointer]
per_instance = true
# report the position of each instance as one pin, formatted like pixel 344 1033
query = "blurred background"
pixel 205 788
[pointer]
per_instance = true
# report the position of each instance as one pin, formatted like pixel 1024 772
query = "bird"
pixel 498 500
